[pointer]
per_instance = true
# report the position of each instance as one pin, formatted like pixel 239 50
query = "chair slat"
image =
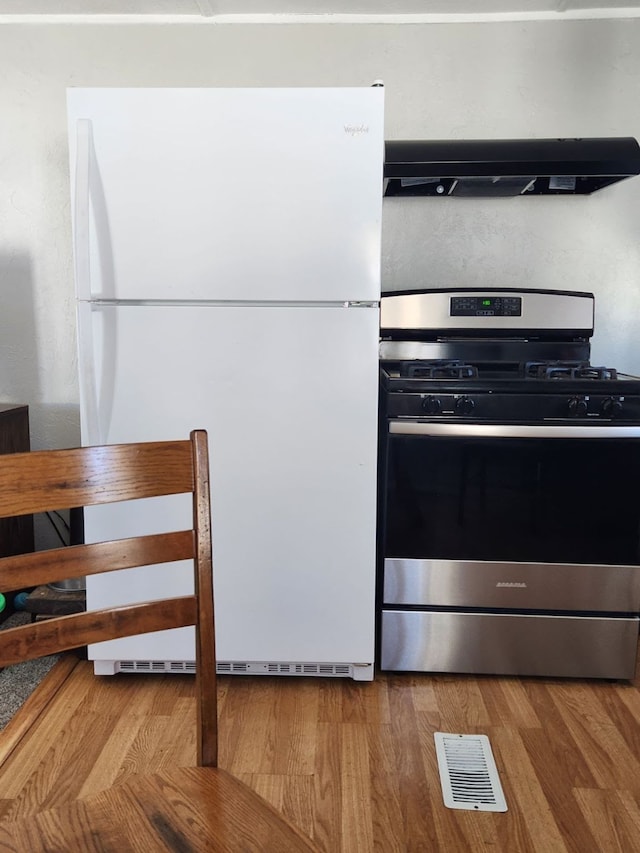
pixel 27 570
pixel 80 629
pixel 44 480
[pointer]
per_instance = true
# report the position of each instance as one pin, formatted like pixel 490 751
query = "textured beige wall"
pixel 578 78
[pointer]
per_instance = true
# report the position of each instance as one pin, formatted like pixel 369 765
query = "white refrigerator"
pixel 227 265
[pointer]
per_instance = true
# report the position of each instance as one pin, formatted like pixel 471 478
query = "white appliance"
pixel 227 254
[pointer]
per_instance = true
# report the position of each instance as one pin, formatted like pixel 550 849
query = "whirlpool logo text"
pixel 356 129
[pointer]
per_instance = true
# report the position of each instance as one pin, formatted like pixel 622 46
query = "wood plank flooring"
pixel 353 764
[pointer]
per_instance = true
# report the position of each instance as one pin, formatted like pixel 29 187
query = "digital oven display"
pixel 486 306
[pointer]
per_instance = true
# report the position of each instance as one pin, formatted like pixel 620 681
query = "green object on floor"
pixel 3 602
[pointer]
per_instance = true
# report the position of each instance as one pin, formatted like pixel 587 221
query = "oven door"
pixel 555 494
pixel 486 521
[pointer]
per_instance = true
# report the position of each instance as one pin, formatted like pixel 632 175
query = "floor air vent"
pixel 468 773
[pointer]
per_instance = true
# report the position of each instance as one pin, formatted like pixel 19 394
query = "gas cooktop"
pixel 460 354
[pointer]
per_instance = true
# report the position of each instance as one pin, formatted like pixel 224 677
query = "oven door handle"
pixel 468 430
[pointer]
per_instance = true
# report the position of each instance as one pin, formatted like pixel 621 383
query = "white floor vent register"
pixel 468 773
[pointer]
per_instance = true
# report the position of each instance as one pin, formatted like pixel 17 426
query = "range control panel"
pixel 486 310
pixel 510 408
pixel 486 306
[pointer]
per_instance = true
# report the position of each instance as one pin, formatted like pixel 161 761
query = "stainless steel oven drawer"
pixel 509 644
pixel 513 586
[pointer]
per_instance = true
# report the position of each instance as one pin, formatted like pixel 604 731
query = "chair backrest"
pixel 48 480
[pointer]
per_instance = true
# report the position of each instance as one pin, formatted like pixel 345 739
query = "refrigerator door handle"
pixel 84 144
pixel 87 375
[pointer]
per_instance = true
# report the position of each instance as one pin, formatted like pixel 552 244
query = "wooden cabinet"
pixel 16 534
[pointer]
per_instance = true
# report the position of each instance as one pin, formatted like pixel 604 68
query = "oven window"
pixel 541 500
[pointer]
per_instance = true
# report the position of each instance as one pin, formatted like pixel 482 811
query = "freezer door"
pixel 289 398
pixel 227 194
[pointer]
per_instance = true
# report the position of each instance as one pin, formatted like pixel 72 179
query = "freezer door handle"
pixel 84 145
pixel 81 244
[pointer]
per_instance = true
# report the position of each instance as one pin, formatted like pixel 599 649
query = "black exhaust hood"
pixel 507 167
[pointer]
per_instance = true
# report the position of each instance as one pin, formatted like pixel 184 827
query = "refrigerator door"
pixel 289 398
pixel 227 194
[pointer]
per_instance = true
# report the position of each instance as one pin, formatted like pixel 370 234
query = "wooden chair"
pixel 225 813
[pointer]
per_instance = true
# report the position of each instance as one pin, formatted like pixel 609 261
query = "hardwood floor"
pixel 352 764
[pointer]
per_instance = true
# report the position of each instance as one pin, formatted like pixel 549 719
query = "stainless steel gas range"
pixel 509 488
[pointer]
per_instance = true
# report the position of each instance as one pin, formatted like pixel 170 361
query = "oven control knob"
pixel 577 407
pixel 464 405
pixel 432 405
pixel 611 408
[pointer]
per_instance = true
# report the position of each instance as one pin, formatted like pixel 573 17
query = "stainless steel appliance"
pixel 510 504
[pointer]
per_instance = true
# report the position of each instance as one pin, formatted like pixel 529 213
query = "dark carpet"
pixel 18 682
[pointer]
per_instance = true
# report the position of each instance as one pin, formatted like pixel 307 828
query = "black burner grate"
pixel 438 369
pixel 559 370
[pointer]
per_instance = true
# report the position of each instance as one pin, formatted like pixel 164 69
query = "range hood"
pixel 507 167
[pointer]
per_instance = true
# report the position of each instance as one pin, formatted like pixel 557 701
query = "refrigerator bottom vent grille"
pixel 237 668
pixel 344 670
pixel 156 666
